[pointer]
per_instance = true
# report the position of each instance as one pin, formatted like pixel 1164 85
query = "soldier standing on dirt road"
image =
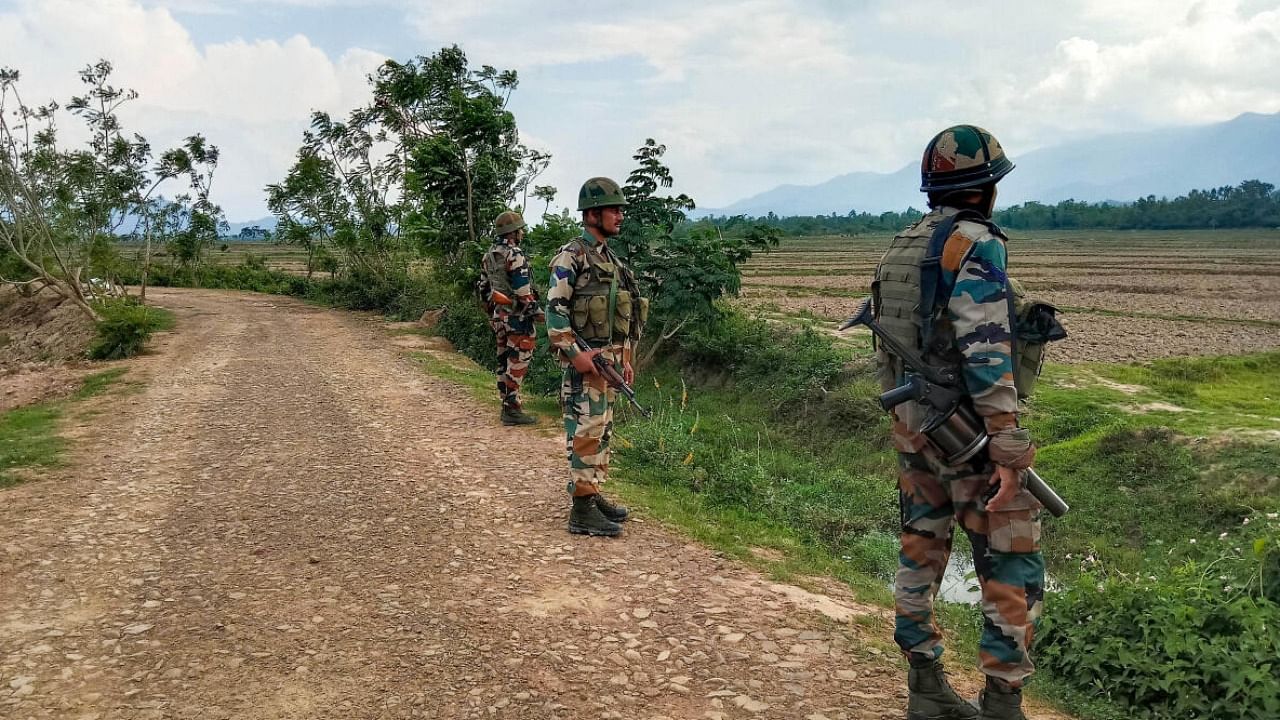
pixel 959 313
pixel 595 296
pixel 506 272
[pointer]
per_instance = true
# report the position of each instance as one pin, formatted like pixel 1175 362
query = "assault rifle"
pixel 951 425
pixel 611 375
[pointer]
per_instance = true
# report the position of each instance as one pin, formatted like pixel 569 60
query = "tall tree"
pixel 420 169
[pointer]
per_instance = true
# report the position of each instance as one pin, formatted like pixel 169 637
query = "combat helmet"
pixel 600 192
pixel 508 222
pixel 962 156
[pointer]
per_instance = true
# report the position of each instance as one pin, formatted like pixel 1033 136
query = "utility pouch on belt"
pixel 1037 326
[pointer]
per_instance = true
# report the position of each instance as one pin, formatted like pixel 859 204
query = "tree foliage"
pixel 683 273
pixel 1252 203
pixel 62 210
pixel 417 171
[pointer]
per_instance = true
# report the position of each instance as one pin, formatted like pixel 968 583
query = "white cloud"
pixel 1212 63
pixel 250 98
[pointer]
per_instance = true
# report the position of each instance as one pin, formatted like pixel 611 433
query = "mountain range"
pixel 1119 167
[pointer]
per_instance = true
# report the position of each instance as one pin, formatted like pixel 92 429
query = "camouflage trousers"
pixel 515 349
pixel 1006 555
pixel 587 401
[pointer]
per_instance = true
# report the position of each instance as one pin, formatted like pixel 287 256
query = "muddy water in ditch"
pixel 960 584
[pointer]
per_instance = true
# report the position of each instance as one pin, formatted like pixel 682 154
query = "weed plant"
pixel 125 326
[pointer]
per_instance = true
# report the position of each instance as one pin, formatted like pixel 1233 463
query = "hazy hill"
pixel 1120 167
pixel 266 223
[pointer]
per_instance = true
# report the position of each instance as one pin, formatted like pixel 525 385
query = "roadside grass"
pixel 29 436
pixel 1151 455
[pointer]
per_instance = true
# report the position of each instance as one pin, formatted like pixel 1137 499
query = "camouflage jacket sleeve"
pixel 564 273
pixel 518 276
pixel 979 314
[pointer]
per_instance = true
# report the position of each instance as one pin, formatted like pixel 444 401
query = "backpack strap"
pixel 935 292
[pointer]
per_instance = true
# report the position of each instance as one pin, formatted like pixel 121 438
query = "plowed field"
pixel 1124 296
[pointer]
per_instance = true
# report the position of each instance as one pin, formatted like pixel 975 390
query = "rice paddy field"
pixel 1123 296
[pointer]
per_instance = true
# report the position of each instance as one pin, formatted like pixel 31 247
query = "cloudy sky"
pixel 746 95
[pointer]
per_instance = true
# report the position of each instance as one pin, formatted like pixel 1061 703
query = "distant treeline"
pixel 1253 203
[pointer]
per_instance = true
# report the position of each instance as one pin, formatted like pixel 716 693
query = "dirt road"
pixel 291 520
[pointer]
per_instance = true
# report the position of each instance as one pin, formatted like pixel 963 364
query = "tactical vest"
pixel 898 294
pixel 896 298
pixel 606 308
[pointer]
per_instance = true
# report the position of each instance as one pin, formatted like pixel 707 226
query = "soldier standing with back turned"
pixel 513 309
pixel 595 296
pixel 957 311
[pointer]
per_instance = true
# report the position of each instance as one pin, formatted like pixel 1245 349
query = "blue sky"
pixel 746 95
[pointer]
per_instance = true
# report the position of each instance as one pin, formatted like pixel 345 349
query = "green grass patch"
pixel 29 439
pixel 29 436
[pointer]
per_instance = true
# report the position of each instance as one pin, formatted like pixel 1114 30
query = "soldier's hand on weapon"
pixel 584 361
pixel 1010 482
pixel 628 374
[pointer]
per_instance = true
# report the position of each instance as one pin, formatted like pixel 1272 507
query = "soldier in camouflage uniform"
pixel 595 296
pixel 506 272
pixel 969 325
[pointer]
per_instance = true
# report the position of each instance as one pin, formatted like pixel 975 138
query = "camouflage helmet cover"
pixel 600 192
pixel 962 156
pixel 508 222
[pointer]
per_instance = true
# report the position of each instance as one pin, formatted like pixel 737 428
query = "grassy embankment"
pixel 29 437
pixel 759 461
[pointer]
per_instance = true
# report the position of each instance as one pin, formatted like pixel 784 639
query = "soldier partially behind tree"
pixel 513 308
pixel 595 297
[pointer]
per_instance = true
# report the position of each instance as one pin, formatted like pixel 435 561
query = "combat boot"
pixel 616 513
pixel 586 518
pixel 1000 702
pixel 931 696
pixel 517 416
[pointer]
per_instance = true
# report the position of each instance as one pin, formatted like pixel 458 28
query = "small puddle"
pixel 960 584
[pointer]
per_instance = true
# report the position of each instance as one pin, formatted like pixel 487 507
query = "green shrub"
pixel 1203 641
pixel 124 328
pixel 784 365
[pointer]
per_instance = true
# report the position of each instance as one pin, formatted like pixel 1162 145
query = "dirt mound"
pixel 40 330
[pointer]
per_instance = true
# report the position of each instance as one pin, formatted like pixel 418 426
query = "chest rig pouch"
pixel 606 307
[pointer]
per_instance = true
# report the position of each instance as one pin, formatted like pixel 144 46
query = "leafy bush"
pixel 1203 641
pixel 125 326
pixel 788 366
